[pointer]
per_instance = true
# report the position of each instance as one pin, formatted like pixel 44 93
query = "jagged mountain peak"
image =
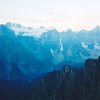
pixel 5 31
pixel 96 29
pixel 52 28
pixel 25 31
pixel 69 30
pixel 14 25
pixel 83 31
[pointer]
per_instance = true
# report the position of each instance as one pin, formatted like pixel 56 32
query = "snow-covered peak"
pixel 18 28
pixel 69 30
pixel 14 25
pixel 52 28
pixel 40 30
pixel 26 31
pixel 96 29
pixel 83 31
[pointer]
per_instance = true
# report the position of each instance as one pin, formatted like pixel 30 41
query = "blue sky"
pixel 61 14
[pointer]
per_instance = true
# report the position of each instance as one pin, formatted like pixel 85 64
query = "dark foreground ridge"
pixel 71 83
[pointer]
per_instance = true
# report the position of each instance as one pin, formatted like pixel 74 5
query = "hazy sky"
pixel 61 14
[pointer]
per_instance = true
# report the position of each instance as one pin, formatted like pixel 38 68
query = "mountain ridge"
pixel 52 47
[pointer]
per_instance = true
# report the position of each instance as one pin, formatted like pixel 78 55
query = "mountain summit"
pixel 5 31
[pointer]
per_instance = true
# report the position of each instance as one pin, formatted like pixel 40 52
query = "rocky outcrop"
pixel 71 83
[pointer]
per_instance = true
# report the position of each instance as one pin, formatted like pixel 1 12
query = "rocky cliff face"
pixel 71 83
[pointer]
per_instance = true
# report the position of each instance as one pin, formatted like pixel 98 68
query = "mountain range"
pixel 45 64
pixel 23 55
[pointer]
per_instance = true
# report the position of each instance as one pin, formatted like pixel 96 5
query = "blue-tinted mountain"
pixel 21 56
pixel 64 46
pixel 5 31
pixel 25 55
